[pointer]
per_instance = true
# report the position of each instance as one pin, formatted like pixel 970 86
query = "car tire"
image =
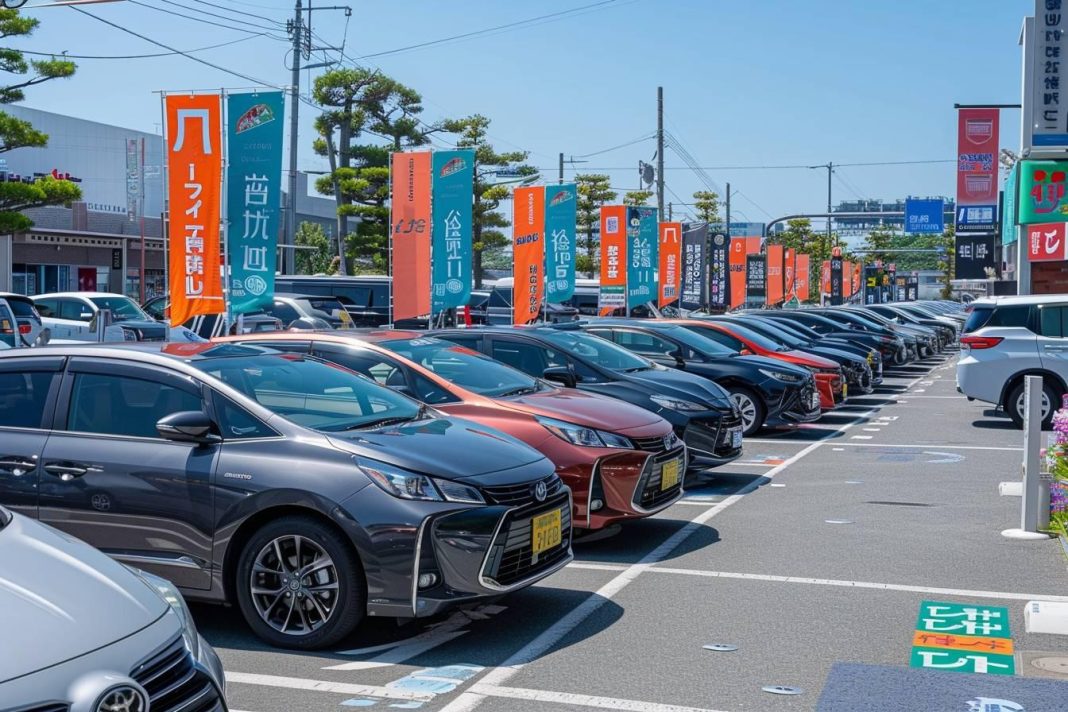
pixel 749 402
pixel 303 612
pixel 1014 404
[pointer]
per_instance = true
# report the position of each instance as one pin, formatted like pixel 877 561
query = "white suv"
pixel 1007 338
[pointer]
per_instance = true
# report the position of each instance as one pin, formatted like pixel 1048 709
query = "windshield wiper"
pixel 636 369
pixel 383 422
pixel 518 391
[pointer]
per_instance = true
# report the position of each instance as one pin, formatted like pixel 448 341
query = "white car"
pixel 70 314
pixel 1007 338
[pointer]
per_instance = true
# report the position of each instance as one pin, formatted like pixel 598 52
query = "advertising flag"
pixel 719 274
pixel 560 215
pixel 774 288
pixel 1010 232
pixel 756 277
pixel 253 196
pixel 788 273
pixel 803 276
pixel 452 191
pixel 977 170
pixel 737 272
pixel 613 292
pixel 825 279
pixel 409 214
pixel 642 260
pixel 670 250
pixel 836 280
pixel 695 265
pixel 528 252
pixel 194 180
pixel 847 280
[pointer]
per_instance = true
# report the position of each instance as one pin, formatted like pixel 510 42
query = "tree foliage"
pixel 594 190
pixel 636 198
pixel 319 260
pixel 706 205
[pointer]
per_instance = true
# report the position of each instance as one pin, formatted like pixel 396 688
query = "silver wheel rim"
pixel 747 407
pixel 294 585
pixel 1023 399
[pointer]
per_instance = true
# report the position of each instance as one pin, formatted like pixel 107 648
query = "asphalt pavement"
pixel 806 561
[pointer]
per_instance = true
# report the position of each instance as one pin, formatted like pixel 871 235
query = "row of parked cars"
pixel 312 477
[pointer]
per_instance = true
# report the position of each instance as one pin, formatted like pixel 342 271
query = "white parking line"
pixel 596 567
pixel 569 698
pixel 939 445
pixel 861 437
pixel 344 688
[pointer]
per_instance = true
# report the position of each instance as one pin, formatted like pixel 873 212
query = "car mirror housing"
pixel 746 352
pixel 187 426
pixel 561 375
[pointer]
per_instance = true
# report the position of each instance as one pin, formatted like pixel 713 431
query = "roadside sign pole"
pixel 1030 519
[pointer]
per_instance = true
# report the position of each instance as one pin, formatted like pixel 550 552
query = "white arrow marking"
pixel 948 458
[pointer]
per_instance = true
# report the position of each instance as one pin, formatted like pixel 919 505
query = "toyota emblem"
pixel 541 491
pixel 124 698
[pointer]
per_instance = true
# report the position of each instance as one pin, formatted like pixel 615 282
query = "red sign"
pixel 774 278
pixel 977 167
pixel 410 234
pixel 1047 243
pixel 670 262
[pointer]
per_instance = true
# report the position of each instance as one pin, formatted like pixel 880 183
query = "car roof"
pixel 348 335
pixel 149 352
pixel 1021 299
pixel 17 297
pixel 86 295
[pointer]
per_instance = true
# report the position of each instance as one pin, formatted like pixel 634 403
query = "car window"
pixel 122 405
pixel 237 423
pixel 601 351
pixel 467 369
pixel 379 295
pixel 46 307
pixel 727 340
pixel 22 398
pixel 74 309
pixel 387 372
pixel 528 357
pixel 468 341
pixel 501 298
pixel 1053 321
pixel 992 315
pixel 283 311
pixel 643 342
pixel 22 308
pixel 155 309
pixel 122 308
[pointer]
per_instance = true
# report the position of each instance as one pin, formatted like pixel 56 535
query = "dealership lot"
pixel 816 548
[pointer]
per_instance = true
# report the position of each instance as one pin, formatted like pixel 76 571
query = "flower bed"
pixel 1057 460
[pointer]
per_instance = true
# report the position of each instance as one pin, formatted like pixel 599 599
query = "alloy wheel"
pixel 747 407
pixel 1022 401
pixel 294 585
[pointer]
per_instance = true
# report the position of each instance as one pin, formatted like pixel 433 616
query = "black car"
pixel 895 348
pixel 926 339
pixel 305 494
pixel 947 329
pixel 366 297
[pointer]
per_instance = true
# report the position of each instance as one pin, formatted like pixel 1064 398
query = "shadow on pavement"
pixel 636 540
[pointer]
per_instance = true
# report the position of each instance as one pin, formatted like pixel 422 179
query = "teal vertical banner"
pixel 642 256
pixel 452 188
pixel 560 216
pixel 253 196
pixel 1009 230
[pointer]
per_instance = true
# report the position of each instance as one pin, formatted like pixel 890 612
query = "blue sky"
pixel 777 82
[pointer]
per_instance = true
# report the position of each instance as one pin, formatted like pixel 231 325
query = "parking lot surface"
pixel 807 561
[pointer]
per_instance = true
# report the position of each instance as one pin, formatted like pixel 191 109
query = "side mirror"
pixel 746 352
pixel 187 426
pixel 562 375
pixel 680 362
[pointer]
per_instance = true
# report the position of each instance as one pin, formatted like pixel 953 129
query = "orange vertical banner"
pixel 825 278
pixel 613 292
pixel 528 253
pixel 409 210
pixel 802 275
pixel 789 273
pixel 858 273
pixel 773 281
pixel 194 185
pixel 847 280
pixel 736 266
pixel 670 251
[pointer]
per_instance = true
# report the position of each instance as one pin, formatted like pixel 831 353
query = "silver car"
pixel 83 633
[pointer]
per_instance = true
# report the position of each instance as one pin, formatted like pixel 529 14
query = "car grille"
pixel 173 683
pixel 656 444
pixel 648 494
pixel 510 559
pixel 522 495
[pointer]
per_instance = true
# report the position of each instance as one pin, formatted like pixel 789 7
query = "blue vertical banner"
pixel 253 196
pixel 642 256
pixel 452 191
pixel 560 217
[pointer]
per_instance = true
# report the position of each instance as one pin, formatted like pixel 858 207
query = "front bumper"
pixel 832 389
pixel 713 440
pixel 798 405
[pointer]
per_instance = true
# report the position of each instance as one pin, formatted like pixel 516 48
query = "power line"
pixel 237 12
pixel 65 55
pixel 277 25
pixel 769 167
pixel 616 148
pixel 199 19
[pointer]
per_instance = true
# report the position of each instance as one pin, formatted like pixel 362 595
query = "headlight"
pixel 169 593
pixel 677 404
pixel 410 485
pixel 782 376
pixel 583 436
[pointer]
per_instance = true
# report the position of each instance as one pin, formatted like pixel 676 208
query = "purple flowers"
pixel 1057 458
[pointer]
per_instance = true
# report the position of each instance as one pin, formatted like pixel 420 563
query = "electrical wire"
pixel 199 19
pixel 65 55
pixel 239 12
pixel 616 148
pixel 277 25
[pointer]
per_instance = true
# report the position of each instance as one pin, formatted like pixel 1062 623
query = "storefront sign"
pixel 528 253
pixel 194 177
pixel 975 255
pixel 560 215
pixel 613 292
pixel 253 196
pixel 670 252
pixel 410 222
pixel 977 170
pixel 924 217
pixel 642 258
pixel 1047 243
pixel 452 189
pixel 1049 114
pixel 1042 195
pixel 696 264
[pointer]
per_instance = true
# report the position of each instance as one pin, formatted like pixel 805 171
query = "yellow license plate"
pixel 669 476
pixel 845 390
pixel 546 531
pixel 871 359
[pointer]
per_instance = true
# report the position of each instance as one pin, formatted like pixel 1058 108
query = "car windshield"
pixel 312 393
pixel 761 341
pixel 775 334
pixel 699 343
pixel 601 352
pixel 796 327
pixel 329 307
pixel 464 367
pixel 122 308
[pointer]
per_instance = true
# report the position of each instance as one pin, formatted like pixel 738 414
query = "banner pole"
pixel 224 231
pixel 165 224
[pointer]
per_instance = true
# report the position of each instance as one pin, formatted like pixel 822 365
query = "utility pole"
pixel 561 179
pixel 830 170
pixel 286 263
pixel 669 212
pixel 728 211
pixel 660 151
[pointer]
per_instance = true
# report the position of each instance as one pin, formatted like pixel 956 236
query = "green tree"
pixel 636 198
pixel 487 222
pixel 318 260
pixel 356 102
pixel 594 190
pixel 948 263
pixel 878 243
pixel 16 133
pixel 706 203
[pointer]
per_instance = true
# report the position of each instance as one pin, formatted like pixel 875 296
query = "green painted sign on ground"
pixel 964 619
pixel 961 637
pixel 962 661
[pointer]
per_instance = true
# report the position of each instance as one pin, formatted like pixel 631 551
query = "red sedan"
pixel 829 379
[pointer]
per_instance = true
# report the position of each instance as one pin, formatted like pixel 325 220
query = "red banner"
pixel 528 253
pixel 194 182
pixel 736 265
pixel 802 276
pixel 1047 243
pixel 825 277
pixel 613 294
pixel 773 281
pixel 410 234
pixel 789 273
pixel 977 169
pixel 858 273
pixel 670 262
pixel 847 280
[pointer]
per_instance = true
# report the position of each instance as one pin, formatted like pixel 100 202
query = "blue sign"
pixel 746 229
pixel 560 213
pixel 451 234
pixel 642 256
pixel 976 218
pixel 924 217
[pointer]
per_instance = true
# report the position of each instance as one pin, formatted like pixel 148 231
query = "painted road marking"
pixel 947 447
pixel 861 437
pixel 872 430
pixel 569 698
pixel 921 639
pixel 344 688
pixel 988 650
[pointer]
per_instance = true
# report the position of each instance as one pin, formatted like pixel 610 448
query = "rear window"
pixel 22 307
pixel 983 315
pixel 501 298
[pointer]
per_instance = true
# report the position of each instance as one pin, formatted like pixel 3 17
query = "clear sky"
pixel 746 83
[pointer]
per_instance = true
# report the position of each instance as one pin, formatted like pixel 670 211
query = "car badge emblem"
pixel 541 491
pixel 123 698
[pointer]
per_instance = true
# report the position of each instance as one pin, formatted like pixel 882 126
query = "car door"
pixel 1052 338
pixel 28 388
pixel 652 346
pixel 107 476
pixel 70 320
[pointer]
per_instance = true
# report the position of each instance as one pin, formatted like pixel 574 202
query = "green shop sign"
pixel 1042 193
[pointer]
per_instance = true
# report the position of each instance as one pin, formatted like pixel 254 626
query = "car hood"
pixel 766 362
pixel 64 597
pixel 441 446
pixel 809 358
pixel 581 408
pixel 680 384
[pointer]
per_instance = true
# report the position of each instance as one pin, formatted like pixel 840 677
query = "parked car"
pixel 70 315
pixel 906 313
pixel 84 632
pixel 366 297
pixel 891 348
pixel 766 391
pixel 309 311
pixel 499 307
pixel 926 339
pixel 9 328
pixel 620 461
pixel 1008 338
pixel 209 326
pixel 305 494
pixel 700 411
pixel 830 383
pixel 30 330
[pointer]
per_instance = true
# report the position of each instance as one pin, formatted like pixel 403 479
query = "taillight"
pixel 981 342
pixel 24 328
